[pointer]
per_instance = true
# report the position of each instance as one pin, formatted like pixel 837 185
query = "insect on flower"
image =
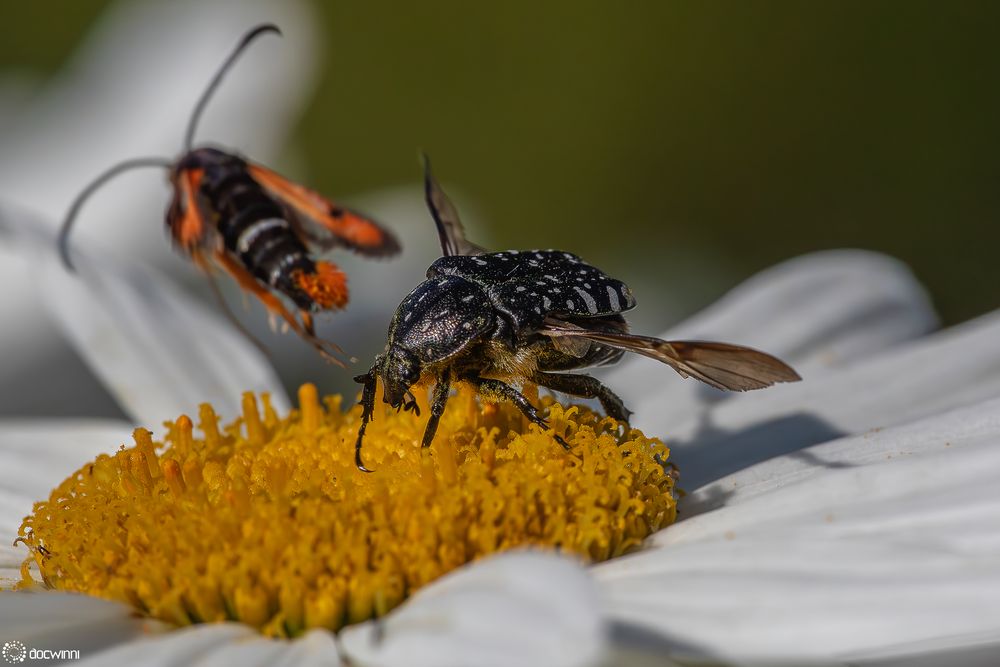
pixel 493 319
pixel 258 227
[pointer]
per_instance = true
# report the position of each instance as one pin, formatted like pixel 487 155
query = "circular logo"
pixel 14 652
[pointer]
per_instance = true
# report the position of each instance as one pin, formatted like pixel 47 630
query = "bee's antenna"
pixel 74 209
pixel 217 79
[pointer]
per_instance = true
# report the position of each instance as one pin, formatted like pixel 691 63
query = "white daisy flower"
pixel 848 518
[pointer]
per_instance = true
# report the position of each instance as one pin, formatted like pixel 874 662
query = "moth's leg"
pixel 246 280
pixel 586 387
pixel 367 403
pixel 206 268
pixel 497 390
pixel 441 391
pixel 326 348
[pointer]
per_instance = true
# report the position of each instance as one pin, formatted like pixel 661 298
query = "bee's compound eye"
pixel 411 372
pixel 405 365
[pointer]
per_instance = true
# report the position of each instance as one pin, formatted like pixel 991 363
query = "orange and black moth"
pixel 258 227
pixel 261 229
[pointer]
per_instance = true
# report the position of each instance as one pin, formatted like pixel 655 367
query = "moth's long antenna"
pixel 199 108
pixel 94 185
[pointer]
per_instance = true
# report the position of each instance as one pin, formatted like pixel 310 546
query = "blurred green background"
pixel 692 143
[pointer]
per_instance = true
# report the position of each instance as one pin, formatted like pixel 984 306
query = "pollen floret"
pixel 268 522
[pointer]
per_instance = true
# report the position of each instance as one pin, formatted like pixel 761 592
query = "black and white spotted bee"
pixel 497 319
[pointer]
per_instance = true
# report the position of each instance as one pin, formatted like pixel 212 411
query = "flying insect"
pixel 255 225
pixel 499 319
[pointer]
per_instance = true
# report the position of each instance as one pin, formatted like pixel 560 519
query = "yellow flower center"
pixel 268 522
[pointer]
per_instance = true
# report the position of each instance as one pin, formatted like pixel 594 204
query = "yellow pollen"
pixel 266 521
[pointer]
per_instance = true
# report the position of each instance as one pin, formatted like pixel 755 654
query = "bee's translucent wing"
pixel 720 365
pixel 449 226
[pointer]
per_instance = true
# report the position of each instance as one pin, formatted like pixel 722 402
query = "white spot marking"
pixel 520 288
pixel 467 299
pixel 587 299
pixel 569 304
pixel 546 302
pixel 406 318
pixel 613 296
pixel 466 325
pixel 480 262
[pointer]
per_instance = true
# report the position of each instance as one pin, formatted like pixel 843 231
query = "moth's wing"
pixel 186 215
pixel 449 226
pixel 720 365
pixel 328 225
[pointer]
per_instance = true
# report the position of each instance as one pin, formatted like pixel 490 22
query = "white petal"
pixel 872 545
pixel 955 367
pixel 220 645
pixel 948 432
pixel 35 456
pixel 514 609
pixel 57 621
pixel 159 352
pixel 110 634
pixel 815 312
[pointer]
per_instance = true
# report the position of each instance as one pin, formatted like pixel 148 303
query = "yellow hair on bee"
pixel 327 286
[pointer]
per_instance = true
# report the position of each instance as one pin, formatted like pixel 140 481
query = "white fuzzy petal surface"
pixel 951 368
pixel 57 621
pixel 862 547
pixel 817 312
pixel 158 351
pixel 221 645
pixel 518 608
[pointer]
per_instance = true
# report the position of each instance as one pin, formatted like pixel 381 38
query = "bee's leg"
pixel 367 403
pixel 441 391
pixel 410 403
pixel 497 390
pixel 586 387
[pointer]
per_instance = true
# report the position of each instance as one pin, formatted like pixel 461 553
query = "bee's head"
pixel 400 371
